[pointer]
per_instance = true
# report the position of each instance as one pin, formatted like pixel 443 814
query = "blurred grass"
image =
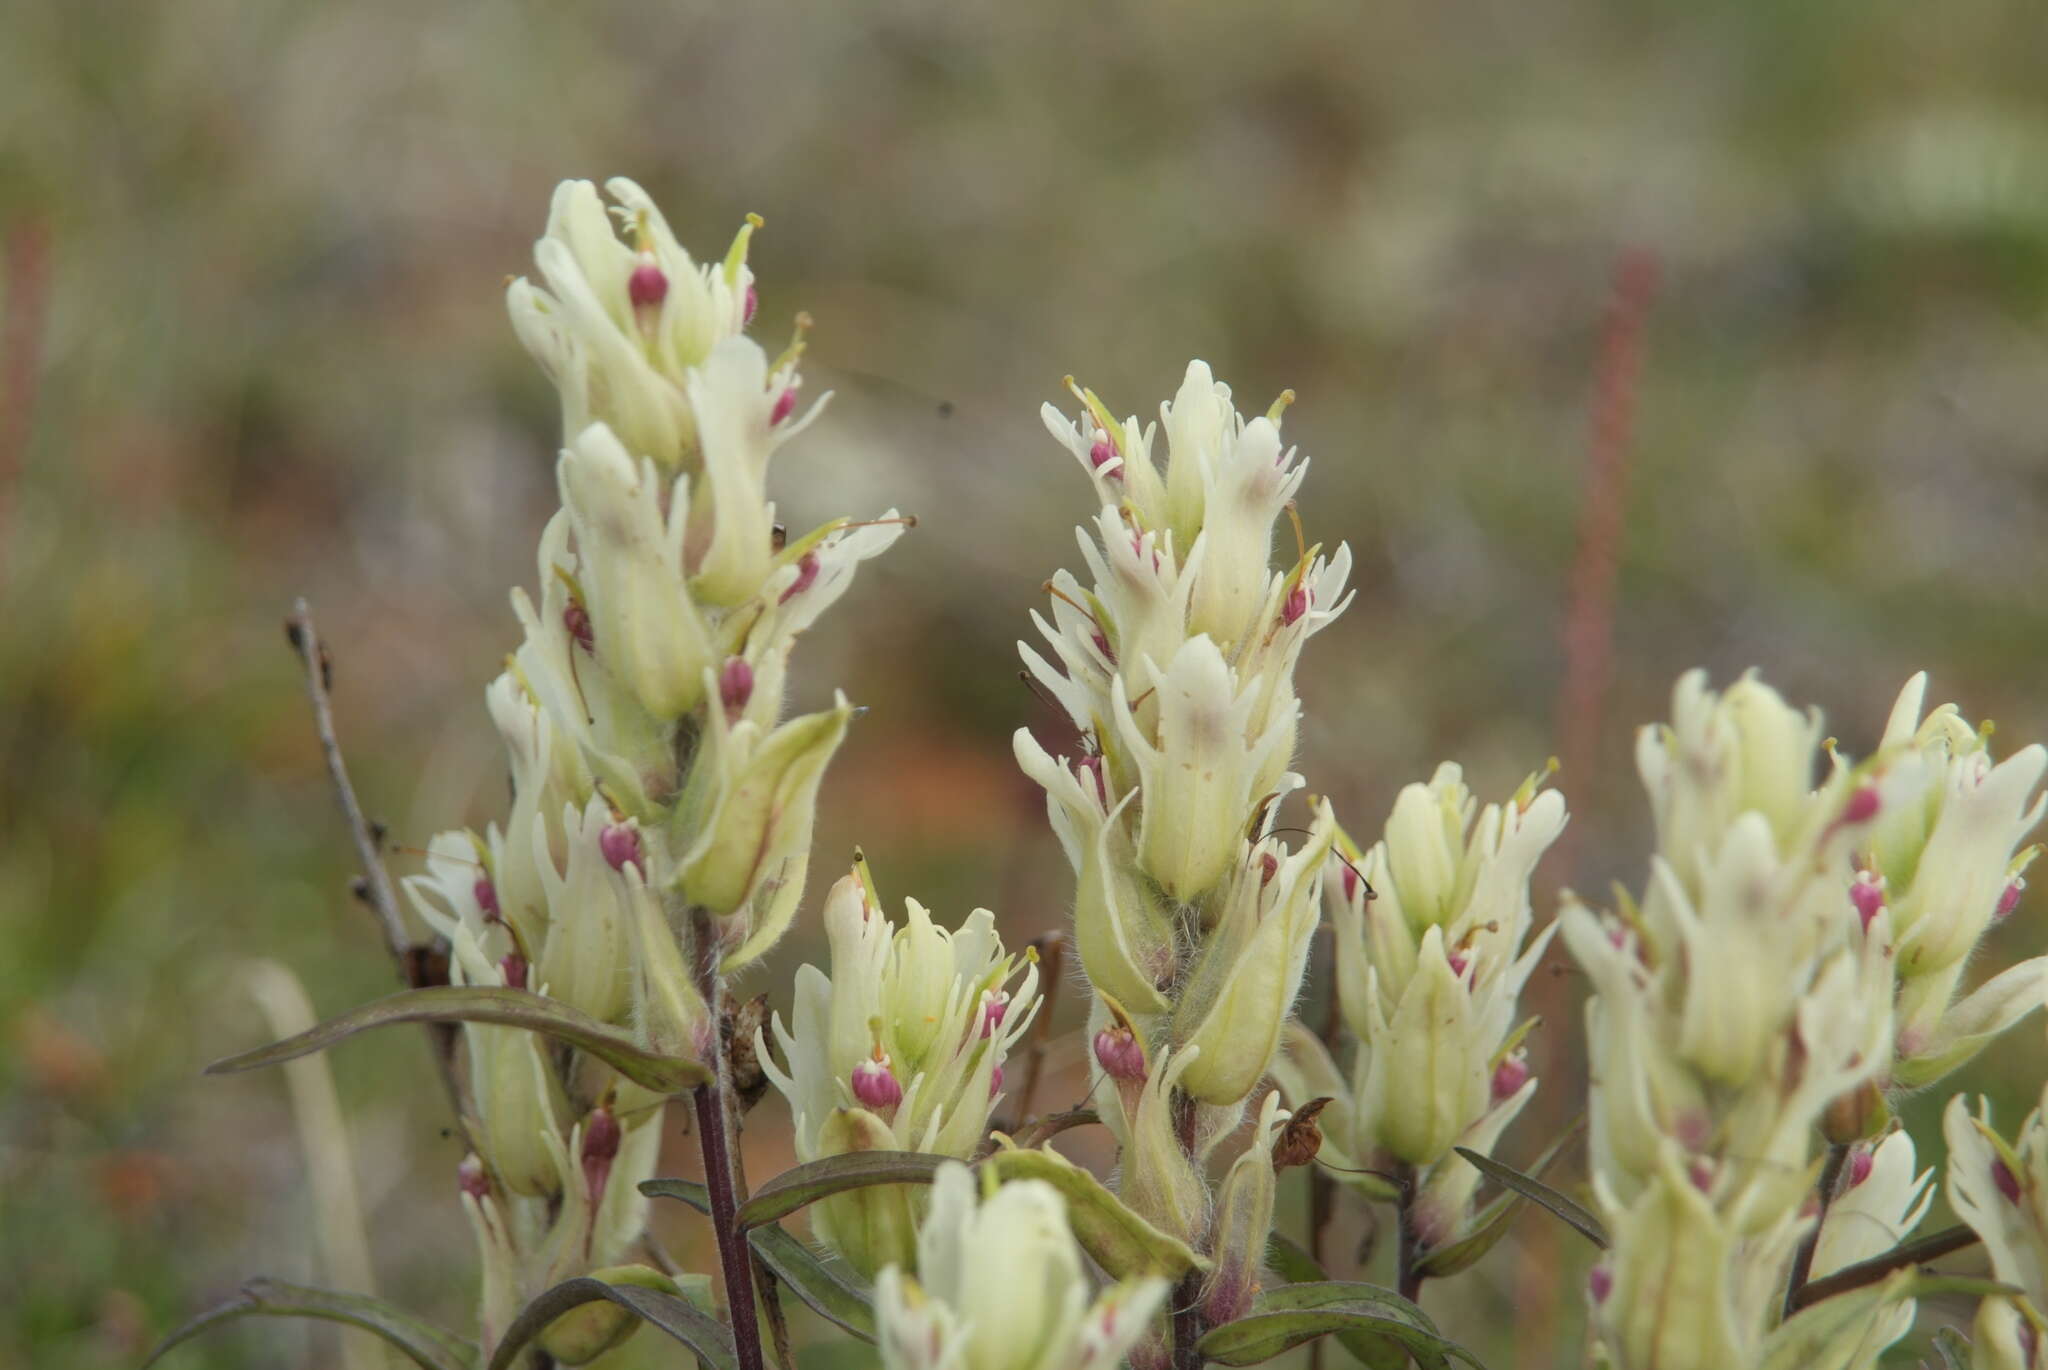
pixel 274 363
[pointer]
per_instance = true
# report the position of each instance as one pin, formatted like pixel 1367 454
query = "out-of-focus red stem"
pixel 1596 565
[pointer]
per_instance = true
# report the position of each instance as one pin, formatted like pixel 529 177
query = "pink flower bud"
pixel 2009 900
pixel 1702 1176
pixel 735 684
pixel 806 576
pixel 1102 646
pixel 1296 605
pixel 600 1148
pixel 1601 1283
pixel 875 1085
pixel 1350 882
pixel 2007 1182
pixel 784 404
pixel 1119 1053
pixel 620 843
pixel 995 1082
pixel 576 619
pixel 1509 1076
pixel 753 303
pixel 647 287
pixel 472 1178
pixel 513 968
pixel 1867 894
pixel 1862 806
pixel 1860 1163
pixel 1269 866
pixel 1092 765
pixel 1458 961
pixel 1103 453
pixel 995 1006
pixel 486 897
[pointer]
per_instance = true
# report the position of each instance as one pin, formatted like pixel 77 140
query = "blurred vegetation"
pixel 273 361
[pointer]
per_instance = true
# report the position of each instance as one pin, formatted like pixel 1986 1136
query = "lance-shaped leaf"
pixel 1370 1349
pixel 793 1189
pixel 423 1344
pixel 828 1292
pixel 1953 1348
pixel 483 1004
pixel 1827 1335
pixel 1291 1261
pixel 1573 1213
pixel 1287 1316
pixel 670 1313
pixel 1114 1236
pixel 1491 1223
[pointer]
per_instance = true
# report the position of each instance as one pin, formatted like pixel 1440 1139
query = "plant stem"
pixel 1187 1295
pixel 1802 1261
pixel 734 1260
pixel 1409 1255
pixel 1945 1242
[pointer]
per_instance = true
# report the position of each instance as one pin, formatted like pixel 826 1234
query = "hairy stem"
pixel 1802 1261
pixel 734 1260
pixel 1409 1256
pixel 1187 1295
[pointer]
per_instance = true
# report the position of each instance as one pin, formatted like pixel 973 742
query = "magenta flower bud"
pixel 1458 961
pixel 2007 1182
pixel 1121 1056
pixel 513 968
pixel 784 404
pixel 1868 897
pixel 473 1179
pixel 1702 1176
pixel 806 576
pixel 600 1148
pixel 1860 1163
pixel 1509 1076
pixel 875 1085
pixel 1350 882
pixel 576 619
pixel 620 843
pixel 2009 900
pixel 1103 452
pixel 995 1082
pixel 486 898
pixel 735 684
pixel 1862 806
pixel 1269 865
pixel 647 287
pixel 1102 646
pixel 995 1006
pixel 1601 1283
pixel 1093 766
pixel 1296 605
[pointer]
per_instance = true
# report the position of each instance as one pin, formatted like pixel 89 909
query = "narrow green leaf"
pixel 1491 1223
pixel 487 1004
pixel 1260 1336
pixel 1291 1261
pixel 1120 1241
pixel 793 1189
pixel 690 1192
pixel 1574 1215
pixel 424 1344
pixel 1368 1349
pixel 669 1313
pixel 831 1294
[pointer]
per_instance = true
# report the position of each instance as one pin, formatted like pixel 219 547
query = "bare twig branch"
pixel 1052 955
pixel 734 1258
pixel 1946 1242
pixel 1045 1129
pixel 1802 1260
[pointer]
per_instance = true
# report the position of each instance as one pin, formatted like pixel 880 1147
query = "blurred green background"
pixel 254 347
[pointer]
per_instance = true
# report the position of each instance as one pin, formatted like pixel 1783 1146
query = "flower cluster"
pixel 1431 929
pixel 2000 1189
pixel 1001 1286
pixel 651 779
pixel 1750 997
pixel 901 1048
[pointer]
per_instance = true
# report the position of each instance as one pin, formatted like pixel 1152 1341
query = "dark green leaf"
pixel 423 1343
pixel 1291 1261
pixel 1261 1336
pixel 1574 1216
pixel 807 1184
pixel 487 1004
pixel 1117 1238
pixel 831 1294
pixel 1367 1348
pixel 670 1313
pixel 1491 1223
pixel 690 1192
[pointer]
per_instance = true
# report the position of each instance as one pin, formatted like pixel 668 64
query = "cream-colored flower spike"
pixel 1001 1285
pixel 900 1048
